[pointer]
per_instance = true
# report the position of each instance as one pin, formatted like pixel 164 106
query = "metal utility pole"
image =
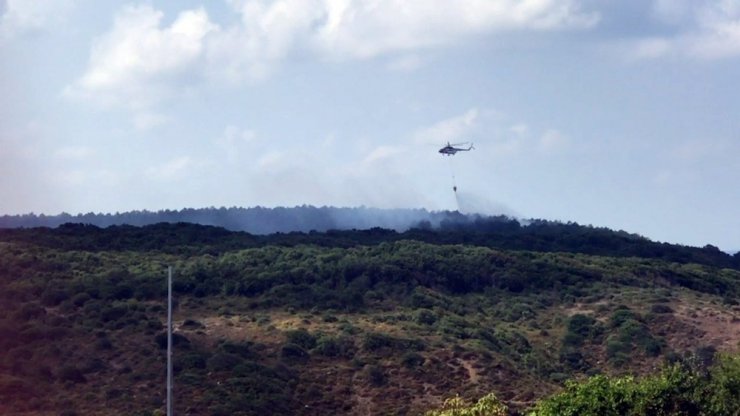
pixel 169 341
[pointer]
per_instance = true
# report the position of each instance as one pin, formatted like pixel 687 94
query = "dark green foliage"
pixel 374 341
pixel 293 353
pixel 454 228
pixel 113 312
pixel 375 375
pixel 482 305
pixel 660 308
pixel 330 346
pixel 628 331
pixel 80 299
pixel 243 350
pixel 582 325
pixel 54 296
pixel 620 316
pixel 426 317
pixel 178 340
pixel 30 311
pixel 580 328
pixel 302 338
pixel 253 389
pixel 412 359
pixel 223 361
pixel 573 359
pixel 193 360
pixel 383 343
pixel 105 344
pixel 190 323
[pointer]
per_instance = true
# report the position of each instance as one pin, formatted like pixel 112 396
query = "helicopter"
pixel 450 149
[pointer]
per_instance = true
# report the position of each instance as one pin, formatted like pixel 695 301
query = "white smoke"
pixel 470 203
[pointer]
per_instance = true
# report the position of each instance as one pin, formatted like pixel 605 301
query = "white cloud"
pixel 149 120
pixel 138 61
pixel 21 16
pixel 382 153
pixel 706 30
pixel 673 11
pixel 408 63
pixel 171 170
pixel 450 130
pixel 235 140
pixel 701 150
pixel 553 141
pixel 652 48
pixel 365 29
pixel 519 129
pixel 133 63
pixel 272 160
pixel 74 153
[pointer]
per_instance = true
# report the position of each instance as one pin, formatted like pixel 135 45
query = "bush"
pixel 582 325
pixel 222 361
pixel 341 346
pixel 53 297
pixel 190 323
pixel 375 375
pixel 426 317
pixel 243 350
pixel 113 312
pixel 676 390
pixel 30 311
pixel 191 361
pixel 178 340
pixel 301 337
pixel 615 345
pixel 373 341
pixel 293 353
pixel 80 299
pixel 660 308
pixel 488 405
pixel 620 316
pixel 412 359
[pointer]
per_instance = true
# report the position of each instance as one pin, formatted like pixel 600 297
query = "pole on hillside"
pixel 169 341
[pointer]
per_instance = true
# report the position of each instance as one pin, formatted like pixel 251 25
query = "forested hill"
pixel 358 322
pixel 493 232
pixel 255 220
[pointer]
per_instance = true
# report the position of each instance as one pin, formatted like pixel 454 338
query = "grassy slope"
pixel 390 328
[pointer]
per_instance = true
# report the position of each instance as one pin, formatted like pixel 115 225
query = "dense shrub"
pixel 54 296
pixel 373 341
pixel 242 349
pixel 412 359
pixel 660 308
pixel 178 340
pixel 293 353
pixel 330 346
pixel 192 360
pixel 488 405
pixel 222 361
pixel 426 316
pixel 375 375
pixel 302 338
pixel 676 390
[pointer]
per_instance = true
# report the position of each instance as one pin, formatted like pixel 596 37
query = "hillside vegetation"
pixel 351 322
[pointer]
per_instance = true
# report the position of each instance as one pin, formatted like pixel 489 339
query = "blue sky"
pixel 613 113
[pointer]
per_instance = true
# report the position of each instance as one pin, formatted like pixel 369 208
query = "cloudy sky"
pixel 618 113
